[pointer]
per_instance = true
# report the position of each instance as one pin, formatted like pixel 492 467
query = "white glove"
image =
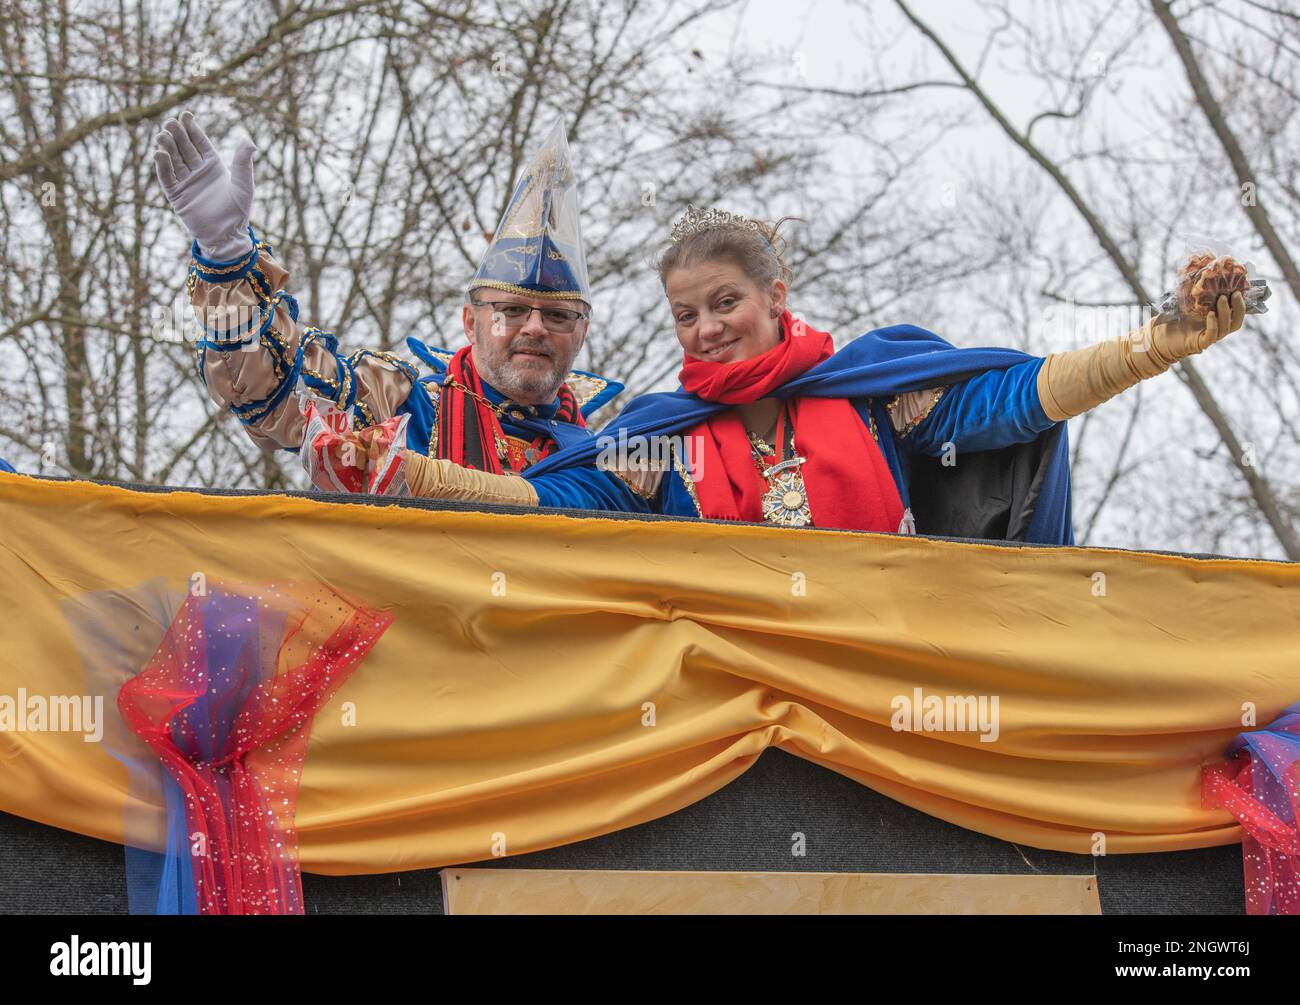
pixel 213 202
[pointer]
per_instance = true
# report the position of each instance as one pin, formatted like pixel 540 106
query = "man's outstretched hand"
pixel 213 201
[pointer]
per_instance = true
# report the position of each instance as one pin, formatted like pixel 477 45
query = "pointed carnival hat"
pixel 537 250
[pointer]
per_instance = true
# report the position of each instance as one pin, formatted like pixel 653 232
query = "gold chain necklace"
pixel 760 444
pixel 453 382
pixel 503 448
pixel 785 502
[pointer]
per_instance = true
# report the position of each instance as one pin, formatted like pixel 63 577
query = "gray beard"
pixel 514 387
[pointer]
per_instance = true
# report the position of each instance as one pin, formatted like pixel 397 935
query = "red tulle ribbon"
pixel 1259 784
pixel 226 702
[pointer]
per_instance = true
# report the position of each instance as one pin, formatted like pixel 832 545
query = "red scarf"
pixel 848 480
pixel 469 430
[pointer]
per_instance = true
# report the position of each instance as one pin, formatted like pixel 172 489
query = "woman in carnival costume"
pixel 898 431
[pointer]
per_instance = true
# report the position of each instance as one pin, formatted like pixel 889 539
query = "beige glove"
pixel 431 478
pixel 1070 383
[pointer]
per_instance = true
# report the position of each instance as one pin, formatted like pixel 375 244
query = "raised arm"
pixel 254 349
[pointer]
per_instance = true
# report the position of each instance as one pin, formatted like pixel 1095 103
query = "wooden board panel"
pixel 583 891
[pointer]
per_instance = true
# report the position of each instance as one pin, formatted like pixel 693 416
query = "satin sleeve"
pixel 254 350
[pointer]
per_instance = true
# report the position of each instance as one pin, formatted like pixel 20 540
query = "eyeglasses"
pixel 555 319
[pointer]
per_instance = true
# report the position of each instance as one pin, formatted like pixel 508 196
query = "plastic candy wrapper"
pixel 332 455
pixel 339 459
pixel 387 457
pixel 1204 279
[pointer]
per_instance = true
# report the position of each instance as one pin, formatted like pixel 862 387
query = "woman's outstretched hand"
pixel 213 201
pixel 1070 383
pixel 1188 336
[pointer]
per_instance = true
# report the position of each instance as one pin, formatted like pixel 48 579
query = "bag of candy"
pixel 334 457
pixel 386 457
pixel 338 458
pixel 1204 279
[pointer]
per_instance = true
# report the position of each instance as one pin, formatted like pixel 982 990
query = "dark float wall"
pixel 746 826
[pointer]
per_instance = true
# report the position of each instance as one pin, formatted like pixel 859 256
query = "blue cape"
pixel 1029 483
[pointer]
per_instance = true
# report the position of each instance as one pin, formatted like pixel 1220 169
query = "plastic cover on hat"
pixel 537 250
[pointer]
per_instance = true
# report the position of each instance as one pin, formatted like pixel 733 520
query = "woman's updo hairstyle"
pixel 754 246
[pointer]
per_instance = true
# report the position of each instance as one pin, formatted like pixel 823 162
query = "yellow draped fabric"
pixel 549 679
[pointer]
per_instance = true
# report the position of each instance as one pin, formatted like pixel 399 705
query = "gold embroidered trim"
pixel 686 478
pixel 343 383
pixel 273 333
pixel 334 384
pixel 493 284
pixel 432 390
pixel 636 489
pixel 241 264
pixel 934 400
pixel 192 278
pixel 585 387
pixel 381 354
pixel 262 291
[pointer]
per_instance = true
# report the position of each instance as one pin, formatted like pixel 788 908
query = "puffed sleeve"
pixel 253 349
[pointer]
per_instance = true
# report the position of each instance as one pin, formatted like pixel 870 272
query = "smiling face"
pixel 527 364
pixel 721 315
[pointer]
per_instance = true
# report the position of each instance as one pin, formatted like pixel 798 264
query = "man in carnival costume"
pixel 497 406
pixel 899 431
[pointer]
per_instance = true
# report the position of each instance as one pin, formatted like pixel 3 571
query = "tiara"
pixel 697 221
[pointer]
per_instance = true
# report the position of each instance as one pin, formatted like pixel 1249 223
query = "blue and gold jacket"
pixel 253 352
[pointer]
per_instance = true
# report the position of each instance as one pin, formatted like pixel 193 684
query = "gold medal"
pixel 785 503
